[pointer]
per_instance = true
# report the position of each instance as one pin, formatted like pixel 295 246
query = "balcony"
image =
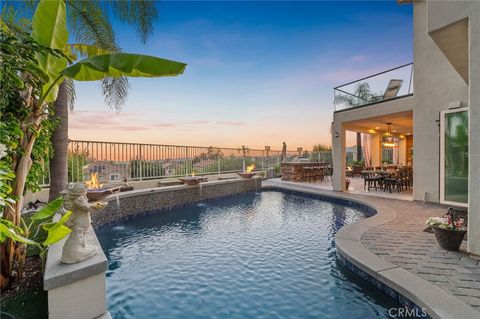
pixel 387 85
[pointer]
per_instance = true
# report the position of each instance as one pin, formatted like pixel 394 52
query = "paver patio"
pixel 403 242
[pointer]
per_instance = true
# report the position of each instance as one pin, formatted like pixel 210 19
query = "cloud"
pixel 234 123
pixel 95 120
pixel 130 121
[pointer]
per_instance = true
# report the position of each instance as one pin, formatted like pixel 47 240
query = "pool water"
pixel 258 255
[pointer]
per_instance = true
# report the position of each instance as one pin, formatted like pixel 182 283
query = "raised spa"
pixel 258 255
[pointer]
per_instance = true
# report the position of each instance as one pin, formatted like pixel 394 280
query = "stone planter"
pixel 192 180
pixel 449 239
pixel 94 195
pixel 247 174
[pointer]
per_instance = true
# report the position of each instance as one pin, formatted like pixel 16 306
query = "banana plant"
pixel 56 231
pixel 49 29
pixel 27 233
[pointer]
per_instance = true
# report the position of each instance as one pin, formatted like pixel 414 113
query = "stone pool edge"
pixel 397 283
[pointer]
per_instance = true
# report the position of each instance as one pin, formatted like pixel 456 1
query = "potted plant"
pixel 347 183
pixel 448 232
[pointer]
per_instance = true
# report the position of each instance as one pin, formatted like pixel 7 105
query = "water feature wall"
pixel 77 291
pixel 151 200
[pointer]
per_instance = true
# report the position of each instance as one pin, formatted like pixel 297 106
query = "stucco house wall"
pixel 436 85
pixel 441 14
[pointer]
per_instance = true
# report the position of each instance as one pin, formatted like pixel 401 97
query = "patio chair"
pixel 372 180
pixel 357 170
pixel 393 88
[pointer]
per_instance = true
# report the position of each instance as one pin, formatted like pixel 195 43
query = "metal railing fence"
pixel 116 162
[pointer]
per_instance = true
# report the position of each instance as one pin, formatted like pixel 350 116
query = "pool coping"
pixel 405 287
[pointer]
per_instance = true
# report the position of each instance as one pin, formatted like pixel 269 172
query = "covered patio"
pixel 385 164
pixel 387 140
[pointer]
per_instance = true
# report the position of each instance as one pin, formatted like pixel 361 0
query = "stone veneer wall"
pixel 149 200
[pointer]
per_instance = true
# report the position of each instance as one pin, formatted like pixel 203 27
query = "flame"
pixel 250 168
pixel 93 183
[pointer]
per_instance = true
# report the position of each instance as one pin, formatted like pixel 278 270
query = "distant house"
pixel 106 171
pixel 171 168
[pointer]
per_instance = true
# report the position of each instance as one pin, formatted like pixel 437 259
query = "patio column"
pixel 339 155
pixel 474 140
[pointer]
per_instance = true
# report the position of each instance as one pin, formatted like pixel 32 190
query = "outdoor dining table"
pixel 379 172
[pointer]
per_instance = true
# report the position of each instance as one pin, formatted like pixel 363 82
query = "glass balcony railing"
pixel 386 85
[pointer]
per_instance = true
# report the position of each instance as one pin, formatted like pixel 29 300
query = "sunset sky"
pixel 258 73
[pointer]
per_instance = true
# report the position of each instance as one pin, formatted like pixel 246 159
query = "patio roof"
pixel 402 123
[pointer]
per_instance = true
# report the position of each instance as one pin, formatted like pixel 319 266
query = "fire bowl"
pixel 96 194
pixel 193 180
pixel 247 174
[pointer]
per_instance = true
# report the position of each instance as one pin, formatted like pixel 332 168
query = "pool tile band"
pixel 401 285
pixel 392 293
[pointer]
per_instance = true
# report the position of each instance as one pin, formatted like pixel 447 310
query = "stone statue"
pixel 75 200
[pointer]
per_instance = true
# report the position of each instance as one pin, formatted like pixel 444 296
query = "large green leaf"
pixel 56 233
pixel 57 230
pixel 49 27
pixel 5 232
pixel 48 210
pixel 84 50
pixel 122 64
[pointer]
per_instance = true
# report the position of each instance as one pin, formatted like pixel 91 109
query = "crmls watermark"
pixel 407 312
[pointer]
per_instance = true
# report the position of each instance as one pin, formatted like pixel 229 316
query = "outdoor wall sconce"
pixel 336 134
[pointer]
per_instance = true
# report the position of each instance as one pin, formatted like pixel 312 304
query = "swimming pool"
pixel 259 255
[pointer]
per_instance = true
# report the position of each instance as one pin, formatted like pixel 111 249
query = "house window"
pixel 114 177
pixel 454 157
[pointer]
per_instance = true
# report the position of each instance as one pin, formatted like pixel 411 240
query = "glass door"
pixel 454 157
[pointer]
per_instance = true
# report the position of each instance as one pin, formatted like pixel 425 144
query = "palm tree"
pixel 39 59
pixel 90 23
pixel 361 95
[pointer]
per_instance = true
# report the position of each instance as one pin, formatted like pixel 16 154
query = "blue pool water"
pixel 258 255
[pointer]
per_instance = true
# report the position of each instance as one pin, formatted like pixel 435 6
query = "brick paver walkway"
pixel 403 242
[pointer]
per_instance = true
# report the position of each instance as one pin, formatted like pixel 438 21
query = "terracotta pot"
pixel 347 184
pixel 449 239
